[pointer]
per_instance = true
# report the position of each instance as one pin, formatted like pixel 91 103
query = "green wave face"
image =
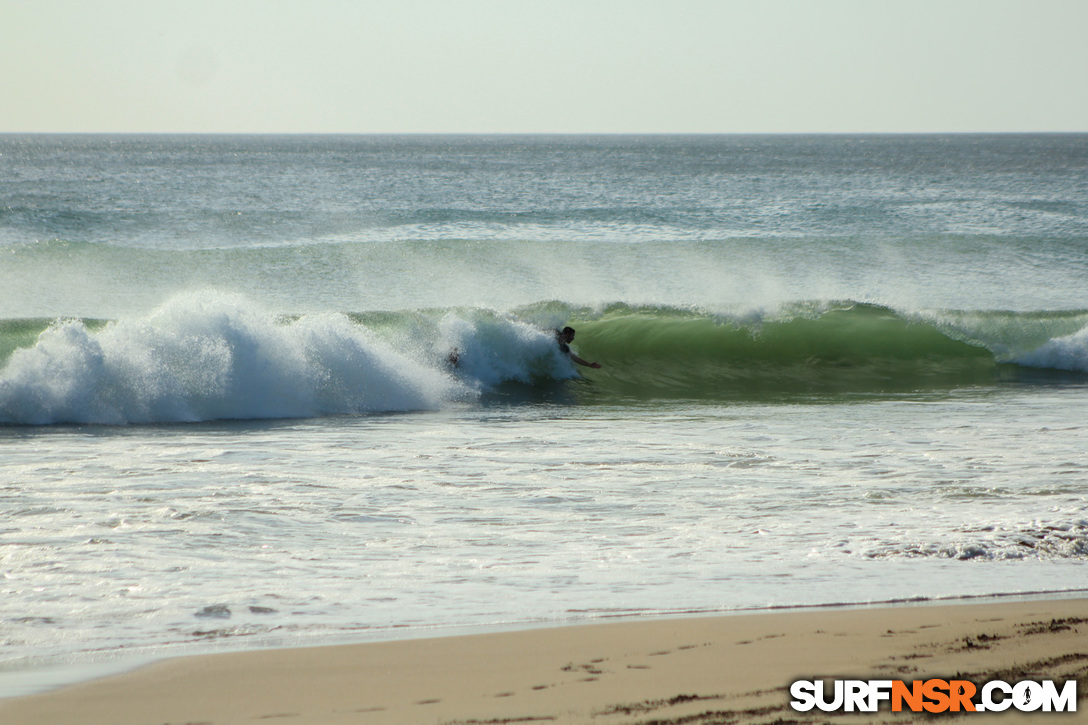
pixel 855 349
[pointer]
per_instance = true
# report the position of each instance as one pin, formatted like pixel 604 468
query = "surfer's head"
pixel 567 334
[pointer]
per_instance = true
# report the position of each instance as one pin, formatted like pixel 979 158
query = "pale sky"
pixel 543 66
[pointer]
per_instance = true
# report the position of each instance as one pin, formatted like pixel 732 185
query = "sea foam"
pixel 210 356
pixel 1069 352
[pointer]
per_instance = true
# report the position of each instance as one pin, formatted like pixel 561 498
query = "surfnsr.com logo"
pixel 934 696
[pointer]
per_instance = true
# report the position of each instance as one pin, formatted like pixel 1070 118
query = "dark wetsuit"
pixel 560 339
pixel 563 347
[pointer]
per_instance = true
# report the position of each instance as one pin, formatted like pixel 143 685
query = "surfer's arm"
pixel 580 361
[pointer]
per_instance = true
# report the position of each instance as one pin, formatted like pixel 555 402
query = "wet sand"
pixel 692 670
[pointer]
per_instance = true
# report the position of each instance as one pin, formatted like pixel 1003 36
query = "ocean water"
pixel 834 369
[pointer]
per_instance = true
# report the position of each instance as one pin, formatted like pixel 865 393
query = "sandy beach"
pixel 715 669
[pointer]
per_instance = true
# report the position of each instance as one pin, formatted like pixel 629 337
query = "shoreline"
pixel 666 669
pixel 59 672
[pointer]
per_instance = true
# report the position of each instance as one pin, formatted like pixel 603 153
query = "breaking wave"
pixel 209 356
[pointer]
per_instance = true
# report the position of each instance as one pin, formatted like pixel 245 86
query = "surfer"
pixel 564 337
